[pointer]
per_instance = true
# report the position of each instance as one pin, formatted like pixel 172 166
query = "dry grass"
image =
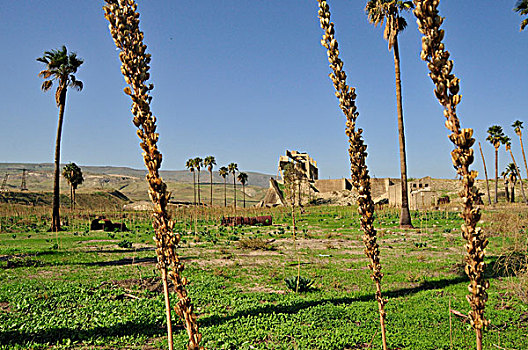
pixel 512 262
pixel 255 244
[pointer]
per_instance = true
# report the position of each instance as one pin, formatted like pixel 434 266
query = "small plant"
pixel 125 244
pixel 299 284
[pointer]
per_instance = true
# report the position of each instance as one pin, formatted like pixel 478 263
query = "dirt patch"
pixel 152 284
pixel 98 241
pixel 261 289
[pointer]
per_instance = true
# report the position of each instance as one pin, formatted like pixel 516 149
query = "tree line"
pixel 194 165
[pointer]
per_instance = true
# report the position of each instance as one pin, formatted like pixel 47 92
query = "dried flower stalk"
pixel 447 88
pixel 358 155
pixel 124 27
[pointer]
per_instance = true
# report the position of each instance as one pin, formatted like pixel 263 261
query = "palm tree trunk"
pixel 225 192
pixel 244 192
pixel 485 173
pixel 520 177
pixel 211 177
pixel 506 185
pixel 524 157
pixel 194 187
pixel 73 198
pixel 234 189
pixel 512 194
pixel 199 200
pixel 55 216
pixel 405 217
pixel 496 171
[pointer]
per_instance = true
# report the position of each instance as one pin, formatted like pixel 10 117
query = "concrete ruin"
pixel 307 165
pixel 273 197
pixel 422 195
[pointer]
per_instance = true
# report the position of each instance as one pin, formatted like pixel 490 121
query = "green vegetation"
pixel 86 291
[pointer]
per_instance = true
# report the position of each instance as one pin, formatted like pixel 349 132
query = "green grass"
pixel 90 293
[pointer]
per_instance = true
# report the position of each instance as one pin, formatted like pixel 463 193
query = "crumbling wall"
pixel 333 185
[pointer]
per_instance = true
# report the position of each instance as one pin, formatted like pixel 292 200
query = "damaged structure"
pixel 422 195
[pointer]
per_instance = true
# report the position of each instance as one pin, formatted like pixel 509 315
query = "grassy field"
pixel 100 290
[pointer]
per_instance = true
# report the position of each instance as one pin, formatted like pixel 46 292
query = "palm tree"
pixel 518 126
pixel 505 175
pixel 198 163
pixel 190 165
pixel 223 172
pixel 496 138
pixel 388 12
pixel 513 173
pixel 507 144
pixel 522 7
pixel 60 67
pixel 73 174
pixel 210 162
pixel 233 168
pixel 242 178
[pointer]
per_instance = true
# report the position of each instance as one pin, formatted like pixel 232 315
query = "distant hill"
pixel 14 169
pixel 131 182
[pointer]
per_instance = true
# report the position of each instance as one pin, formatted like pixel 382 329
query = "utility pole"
pixel 23 186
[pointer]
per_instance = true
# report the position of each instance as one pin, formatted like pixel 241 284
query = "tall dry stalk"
pixel 447 88
pixel 124 27
pixel 358 155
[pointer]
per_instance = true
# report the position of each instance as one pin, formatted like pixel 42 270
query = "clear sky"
pixel 245 80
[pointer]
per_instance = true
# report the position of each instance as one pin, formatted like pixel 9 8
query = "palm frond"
pixel 521 6
pixel 45 74
pixel 524 23
pixel 77 85
pixel 46 85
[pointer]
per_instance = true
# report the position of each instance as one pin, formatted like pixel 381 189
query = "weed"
pixel 125 244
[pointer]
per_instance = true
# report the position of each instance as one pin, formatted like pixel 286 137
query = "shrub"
pixel 126 244
pixel 304 285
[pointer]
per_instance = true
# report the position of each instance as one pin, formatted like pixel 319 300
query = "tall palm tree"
pixel 223 172
pixel 210 162
pixel 73 174
pixel 496 138
pixel 522 7
pixel 242 178
pixel 387 12
pixel 233 168
pixel 518 126
pixel 190 165
pixel 60 67
pixel 198 163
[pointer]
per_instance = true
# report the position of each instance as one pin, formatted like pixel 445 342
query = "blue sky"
pixel 246 80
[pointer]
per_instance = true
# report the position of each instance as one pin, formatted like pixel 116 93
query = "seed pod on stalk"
pixel 357 151
pixel 447 88
pixel 124 27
